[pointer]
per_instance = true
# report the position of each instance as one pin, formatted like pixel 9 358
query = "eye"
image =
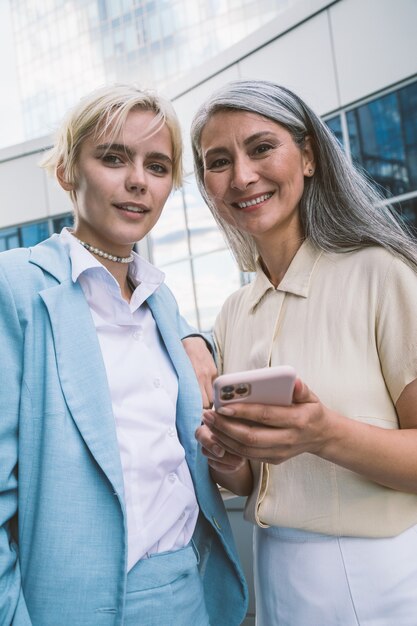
pixel 111 159
pixel 159 168
pixel 262 149
pixel 218 164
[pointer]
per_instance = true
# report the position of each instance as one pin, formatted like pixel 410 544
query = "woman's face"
pixel 122 184
pixel 254 173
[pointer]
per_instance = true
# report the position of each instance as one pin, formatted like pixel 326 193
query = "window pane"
pixel 408 210
pixel 178 278
pixel 9 238
pixel 169 235
pixel 204 232
pixel 383 139
pixel 408 110
pixel 335 125
pixel 34 233
pixel 216 276
pixel 59 222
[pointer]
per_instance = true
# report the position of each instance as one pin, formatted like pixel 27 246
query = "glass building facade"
pixel 64 48
pixel 380 135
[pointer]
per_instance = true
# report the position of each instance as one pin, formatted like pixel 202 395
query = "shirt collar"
pixel 296 279
pixel 140 271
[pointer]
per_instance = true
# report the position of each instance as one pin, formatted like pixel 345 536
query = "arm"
pixel 231 471
pixel 275 434
pixel 196 347
pixel 12 604
pixel 385 456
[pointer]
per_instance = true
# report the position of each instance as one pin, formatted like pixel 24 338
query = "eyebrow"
pixel 260 135
pixel 121 147
pixel 115 147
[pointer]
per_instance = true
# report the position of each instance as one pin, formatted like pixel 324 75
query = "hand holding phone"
pixel 268 385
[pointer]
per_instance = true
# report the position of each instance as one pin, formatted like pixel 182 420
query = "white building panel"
pixel 186 106
pixel 375 44
pixel 301 60
pixel 22 185
pixel 58 201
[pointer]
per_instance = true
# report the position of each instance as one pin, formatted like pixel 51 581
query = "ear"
pixel 62 179
pixel 308 157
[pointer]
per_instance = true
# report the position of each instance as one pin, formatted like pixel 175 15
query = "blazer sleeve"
pixel 12 604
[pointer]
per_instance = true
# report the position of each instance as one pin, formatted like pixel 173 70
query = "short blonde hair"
pixel 108 107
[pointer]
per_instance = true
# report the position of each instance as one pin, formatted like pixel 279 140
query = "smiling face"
pixel 254 174
pixel 122 183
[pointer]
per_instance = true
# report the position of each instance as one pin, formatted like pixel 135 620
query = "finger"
pixel 274 453
pixel 209 444
pixel 207 393
pixel 240 437
pixel 207 402
pixel 302 393
pixel 204 436
pixel 252 440
pixel 225 468
pixel 255 414
pixel 227 462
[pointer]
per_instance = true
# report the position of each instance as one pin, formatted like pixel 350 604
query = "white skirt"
pixel 309 579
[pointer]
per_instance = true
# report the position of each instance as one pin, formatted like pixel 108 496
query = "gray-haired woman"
pixel 332 478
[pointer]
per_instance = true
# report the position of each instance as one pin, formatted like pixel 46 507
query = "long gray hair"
pixel 339 208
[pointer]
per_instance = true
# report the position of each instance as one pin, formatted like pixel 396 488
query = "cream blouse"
pixel 347 322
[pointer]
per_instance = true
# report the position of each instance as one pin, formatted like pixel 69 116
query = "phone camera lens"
pixel 241 389
pixel 228 389
pixel 228 396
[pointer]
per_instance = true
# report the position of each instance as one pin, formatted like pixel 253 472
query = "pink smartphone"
pixel 268 385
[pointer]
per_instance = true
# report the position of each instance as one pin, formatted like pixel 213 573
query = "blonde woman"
pixel 108 513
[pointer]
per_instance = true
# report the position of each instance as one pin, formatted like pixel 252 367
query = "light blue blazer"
pixel 63 537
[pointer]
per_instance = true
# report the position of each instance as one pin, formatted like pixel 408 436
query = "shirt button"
pixel 182 515
pixel 137 335
pixel 171 431
pixel 157 382
pixel 172 478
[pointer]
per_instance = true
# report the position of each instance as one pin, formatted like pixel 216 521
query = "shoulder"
pixel 12 258
pixel 165 294
pixel 367 264
pixel 374 256
pixel 14 266
pixel 27 268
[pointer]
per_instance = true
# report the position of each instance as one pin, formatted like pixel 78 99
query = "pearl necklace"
pixel 106 255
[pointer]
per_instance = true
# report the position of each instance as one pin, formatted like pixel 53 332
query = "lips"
pixel 132 208
pixel 244 204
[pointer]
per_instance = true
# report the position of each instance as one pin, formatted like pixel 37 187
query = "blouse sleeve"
pixel 396 327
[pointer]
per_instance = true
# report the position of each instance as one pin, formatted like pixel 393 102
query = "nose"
pixel 136 178
pixel 244 173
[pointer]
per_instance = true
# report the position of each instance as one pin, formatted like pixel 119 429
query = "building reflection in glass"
pixel 383 139
pixel 65 48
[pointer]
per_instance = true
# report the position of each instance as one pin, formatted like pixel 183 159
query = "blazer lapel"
pixel 189 404
pixel 83 376
pixel 80 364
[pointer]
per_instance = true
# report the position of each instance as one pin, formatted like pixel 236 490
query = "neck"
pixel 120 274
pixel 118 266
pixel 277 258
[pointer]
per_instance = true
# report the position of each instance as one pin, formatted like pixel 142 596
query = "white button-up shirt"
pixel 160 501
